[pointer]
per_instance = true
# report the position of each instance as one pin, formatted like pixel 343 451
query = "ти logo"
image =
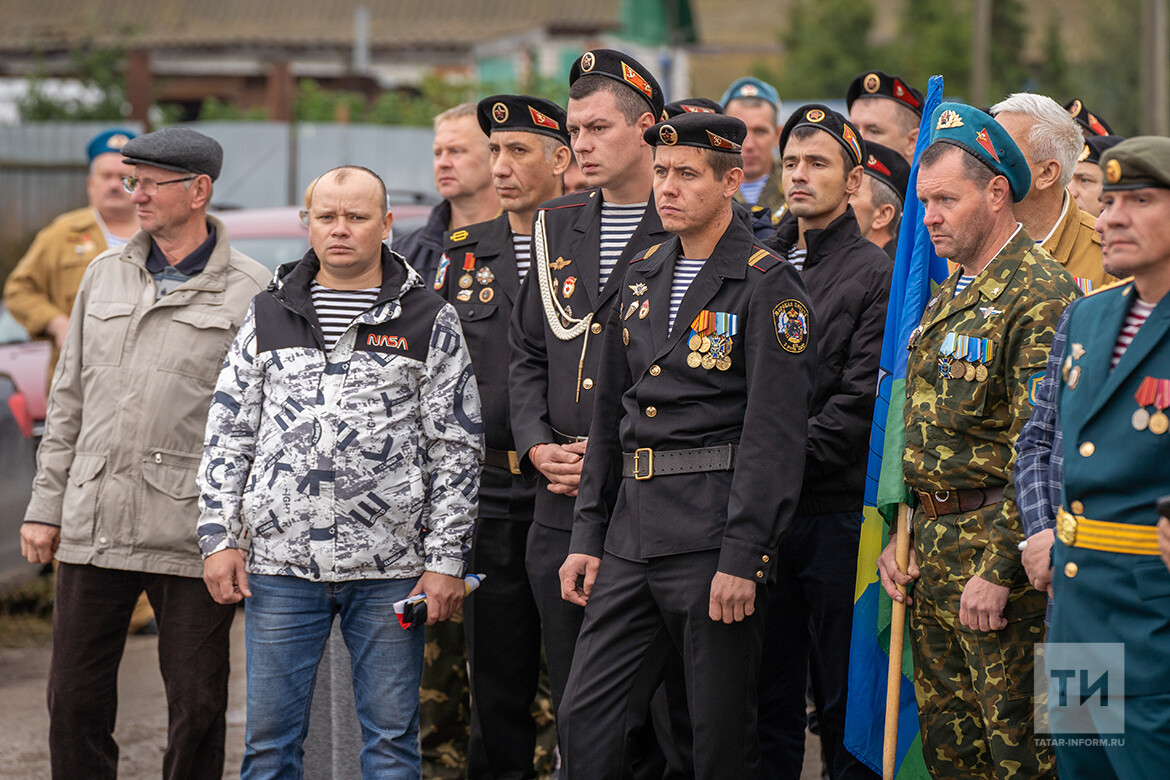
pixel 1082 685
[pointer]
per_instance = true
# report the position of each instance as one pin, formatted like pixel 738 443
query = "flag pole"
pixel 897 631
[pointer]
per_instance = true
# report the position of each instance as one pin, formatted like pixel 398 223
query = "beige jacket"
pixel 1077 246
pixel 126 415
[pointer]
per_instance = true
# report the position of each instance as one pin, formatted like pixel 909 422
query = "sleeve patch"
pixel 1034 386
pixel 791 319
pixel 441 274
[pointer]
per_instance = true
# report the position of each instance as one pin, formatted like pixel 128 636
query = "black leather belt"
pixel 645 463
pixel 564 438
pixel 952 502
pixel 502 459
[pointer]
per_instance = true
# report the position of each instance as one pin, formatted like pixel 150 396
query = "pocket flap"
pixel 171 474
pixel 202 319
pixel 1152 578
pixel 472 312
pixel 105 310
pixel 85 468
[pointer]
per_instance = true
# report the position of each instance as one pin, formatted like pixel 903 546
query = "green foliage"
pixel 95 68
pixel 826 44
pixel 213 109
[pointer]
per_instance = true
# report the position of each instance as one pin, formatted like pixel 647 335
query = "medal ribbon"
pixel 973 350
pixel 1162 397
pixel 948 345
pixel 468 261
pixel 1146 392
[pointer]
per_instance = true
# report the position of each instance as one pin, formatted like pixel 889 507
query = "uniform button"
pixel 655 370
pixel 1077 507
pixel 1070 570
pixel 765 558
pixel 158 457
pixel 587 384
pixel 1087 449
pixel 759 575
pixel 651 411
pixel 595 327
pixel 102 540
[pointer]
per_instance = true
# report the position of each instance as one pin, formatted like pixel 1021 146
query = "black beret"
pixel 523 112
pixel 1096 146
pixel 1137 163
pixel 622 68
pixel 1086 119
pixel 692 106
pixel 707 131
pixel 176 149
pixel 886 165
pixel 825 118
pixel 877 83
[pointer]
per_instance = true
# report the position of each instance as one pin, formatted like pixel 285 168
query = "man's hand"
pixel 58 328
pixel 226 576
pixel 578 567
pixel 561 465
pixel 1037 558
pixel 444 595
pixel 889 574
pixel 1164 540
pixel 981 605
pixel 732 598
pixel 38 542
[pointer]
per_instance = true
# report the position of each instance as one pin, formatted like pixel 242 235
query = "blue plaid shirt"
pixel 1040 447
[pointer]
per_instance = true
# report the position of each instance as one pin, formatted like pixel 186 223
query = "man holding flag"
pixel 975 360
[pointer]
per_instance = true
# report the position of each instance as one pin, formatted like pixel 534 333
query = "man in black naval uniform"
pixel 879 201
pixel 822 158
pixel 885 110
pixel 480 274
pixel 581 246
pixel 695 456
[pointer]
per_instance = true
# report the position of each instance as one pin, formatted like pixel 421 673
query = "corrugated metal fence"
pixel 43 166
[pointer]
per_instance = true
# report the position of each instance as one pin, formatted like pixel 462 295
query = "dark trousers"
pixel 812 598
pixel 547 550
pixel 639 614
pixel 90 617
pixel 502 627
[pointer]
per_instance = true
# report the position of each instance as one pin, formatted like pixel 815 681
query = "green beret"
pixel 1136 163
pixel 718 132
pixel 975 132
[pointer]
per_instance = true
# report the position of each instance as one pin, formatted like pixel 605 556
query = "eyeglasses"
pixel 149 187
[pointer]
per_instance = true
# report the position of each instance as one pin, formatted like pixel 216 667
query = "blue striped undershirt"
pixel 685 270
pixel 964 280
pixel 618 223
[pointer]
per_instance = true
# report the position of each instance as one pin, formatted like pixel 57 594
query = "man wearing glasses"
pixel 115 494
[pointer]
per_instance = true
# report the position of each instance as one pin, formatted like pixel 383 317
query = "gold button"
pixel 651 411
pixel 655 370
pixel 1077 507
pixel 587 383
pixel 1087 449
pixel 765 559
pixel 595 327
pixel 1070 570
pixel 759 575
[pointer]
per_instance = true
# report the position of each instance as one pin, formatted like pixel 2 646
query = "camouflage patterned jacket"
pixel 960 429
pixel 359 463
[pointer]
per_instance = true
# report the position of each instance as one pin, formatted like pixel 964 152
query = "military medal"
pixel 626 336
pixel 1159 423
pixel 723 363
pixel 486 294
pixel 708 362
pixel 485 276
pixel 464 295
pixel 630 311
pixel 466 281
pixel 694 341
pixel 694 359
pixel 642 312
pixel 1145 397
pixel 970 372
pixel 569 286
pixel 705 345
pixel 981 373
pixel 1065 369
pixel 638 289
pixel 944 367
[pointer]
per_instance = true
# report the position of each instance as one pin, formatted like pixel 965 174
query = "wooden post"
pixel 138 82
pixel 897 630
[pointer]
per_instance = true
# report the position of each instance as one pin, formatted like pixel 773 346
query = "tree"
pixel 97 69
pixel 826 44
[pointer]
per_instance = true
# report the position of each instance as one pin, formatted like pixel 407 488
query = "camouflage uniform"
pixel 973 687
pixel 444 725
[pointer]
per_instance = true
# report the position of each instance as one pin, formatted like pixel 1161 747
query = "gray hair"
pixel 1055 135
pixel 883 194
pixel 462 110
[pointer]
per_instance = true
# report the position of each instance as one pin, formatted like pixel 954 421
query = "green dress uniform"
pixel 974 363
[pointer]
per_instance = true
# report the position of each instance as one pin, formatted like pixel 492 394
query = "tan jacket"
pixel 126 416
pixel 1077 246
pixel 45 281
pixel 771 197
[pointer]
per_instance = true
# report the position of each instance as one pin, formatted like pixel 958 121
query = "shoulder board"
pixel 763 259
pixel 572 200
pixel 647 253
pixel 1110 286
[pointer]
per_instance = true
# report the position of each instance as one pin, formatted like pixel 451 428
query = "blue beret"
pixel 977 133
pixel 111 140
pixel 749 87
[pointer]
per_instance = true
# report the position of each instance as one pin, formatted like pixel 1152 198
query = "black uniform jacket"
pixel 650 397
pixel 422 248
pixel 551 388
pixel 478 276
pixel 848 277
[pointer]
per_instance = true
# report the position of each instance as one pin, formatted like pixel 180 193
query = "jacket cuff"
pixel 45 511
pixel 746 560
pixel 587 539
pixel 443 564
pixel 218 542
pixel 998 570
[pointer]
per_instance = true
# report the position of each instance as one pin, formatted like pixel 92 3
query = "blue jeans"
pixel 287 623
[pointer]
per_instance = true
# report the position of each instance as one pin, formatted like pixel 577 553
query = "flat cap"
pixel 887 166
pixel 749 87
pixel 176 149
pixel 695 105
pixel 1096 145
pixel 1086 118
pixel 525 113
pixel 978 134
pixel 111 140
pixel 1136 163
pixel 876 83
pixel 718 132
pixel 824 118
pixel 623 68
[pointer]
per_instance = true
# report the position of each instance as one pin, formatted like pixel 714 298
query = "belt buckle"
pixel 513 462
pixel 649 455
pixel 1066 527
